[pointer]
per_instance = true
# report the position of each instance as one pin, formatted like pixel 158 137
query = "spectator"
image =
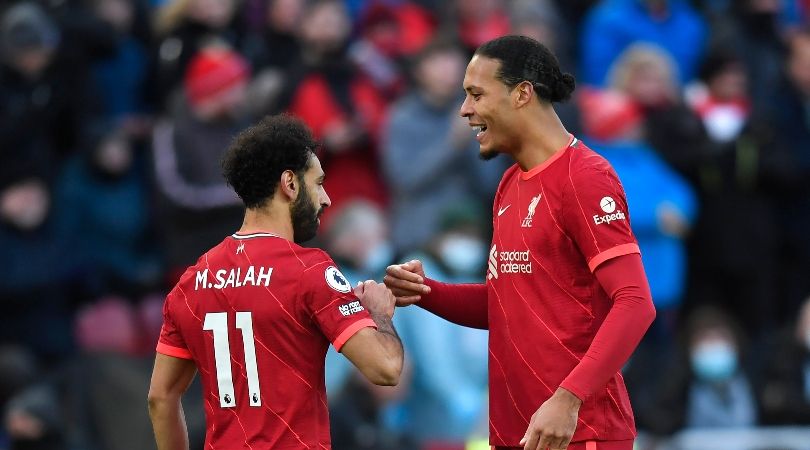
pixel 790 118
pixel 106 188
pixel 35 235
pixel 358 240
pixel 377 50
pixel 785 391
pixel 385 39
pixel 417 24
pixel 43 99
pixel 122 76
pixel 358 416
pixel 276 47
pixel 424 126
pixel 390 30
pixel 198 208
pixel 734 178
pixel 707 386
pixel 33 419
pixel 280 46
pixel 754 29
pixel 647 75
pixel 182 28
pixel 340 104
pixel 478 21
pixel 447 399
pixel 614 25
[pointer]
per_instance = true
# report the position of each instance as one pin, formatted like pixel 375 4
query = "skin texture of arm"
pixel 170 379
pixel 378 354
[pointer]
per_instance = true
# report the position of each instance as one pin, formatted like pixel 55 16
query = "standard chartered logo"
pixel 508 262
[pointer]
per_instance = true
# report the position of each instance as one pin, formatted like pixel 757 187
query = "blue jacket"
pixel 614 25
pixel 114 222
pixel 648 183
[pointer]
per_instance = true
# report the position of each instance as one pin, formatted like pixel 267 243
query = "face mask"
pixel 724 123
pixel 462 255
pixel 378 258
pixel 715 361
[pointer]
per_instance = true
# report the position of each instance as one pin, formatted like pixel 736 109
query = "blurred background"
pixel 114 115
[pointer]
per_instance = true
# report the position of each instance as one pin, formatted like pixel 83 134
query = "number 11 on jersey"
pixel 218 323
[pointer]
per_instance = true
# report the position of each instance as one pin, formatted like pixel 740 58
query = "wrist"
pixel 568 398
pixel 384 315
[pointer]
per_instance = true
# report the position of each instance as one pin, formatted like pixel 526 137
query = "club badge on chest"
pixel 527 221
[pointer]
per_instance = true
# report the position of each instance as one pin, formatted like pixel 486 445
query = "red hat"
pixel 607 115
pixel 212 71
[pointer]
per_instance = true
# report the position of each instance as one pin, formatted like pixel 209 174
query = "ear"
pixel 289 185
pixel 522 94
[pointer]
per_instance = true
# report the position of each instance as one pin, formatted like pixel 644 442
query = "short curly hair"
pixel 255 160
pixel 524 59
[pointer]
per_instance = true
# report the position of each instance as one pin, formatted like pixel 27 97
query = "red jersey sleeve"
pixel 331 303
pixel 623 279
pixel 595 214
pixel 171 341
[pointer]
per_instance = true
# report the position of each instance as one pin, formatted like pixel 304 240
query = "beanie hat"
pixel 607 115
pixel 213 71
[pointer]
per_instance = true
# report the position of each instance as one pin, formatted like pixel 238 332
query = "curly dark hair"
pixel 258 156
pixel 524 59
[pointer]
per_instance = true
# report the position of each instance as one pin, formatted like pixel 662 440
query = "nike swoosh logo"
pixel 503 210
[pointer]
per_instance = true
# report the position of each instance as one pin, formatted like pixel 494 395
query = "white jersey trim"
pixel 253 235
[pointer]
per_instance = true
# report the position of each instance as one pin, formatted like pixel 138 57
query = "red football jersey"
pixel 256 314
pixel 553 226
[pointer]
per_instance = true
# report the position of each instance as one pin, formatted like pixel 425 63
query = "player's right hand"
pixel 375 297
pixel 407 282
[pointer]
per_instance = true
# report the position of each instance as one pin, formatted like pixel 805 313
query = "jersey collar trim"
pixel 253 235
pixel 534 171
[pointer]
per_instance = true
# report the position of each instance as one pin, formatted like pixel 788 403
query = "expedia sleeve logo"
pixel 608 205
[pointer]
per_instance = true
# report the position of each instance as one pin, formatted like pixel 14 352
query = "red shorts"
pixel 588 445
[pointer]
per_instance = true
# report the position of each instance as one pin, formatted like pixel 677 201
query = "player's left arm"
pixel 632 312
pixel 171 378
pixel 624 280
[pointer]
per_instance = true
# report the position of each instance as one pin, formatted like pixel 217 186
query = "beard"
pixel 304 216
pixel 487 155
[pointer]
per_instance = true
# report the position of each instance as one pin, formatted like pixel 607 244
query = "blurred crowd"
pixel 114 115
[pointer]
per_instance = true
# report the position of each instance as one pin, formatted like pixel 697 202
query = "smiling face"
pixel 489 107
